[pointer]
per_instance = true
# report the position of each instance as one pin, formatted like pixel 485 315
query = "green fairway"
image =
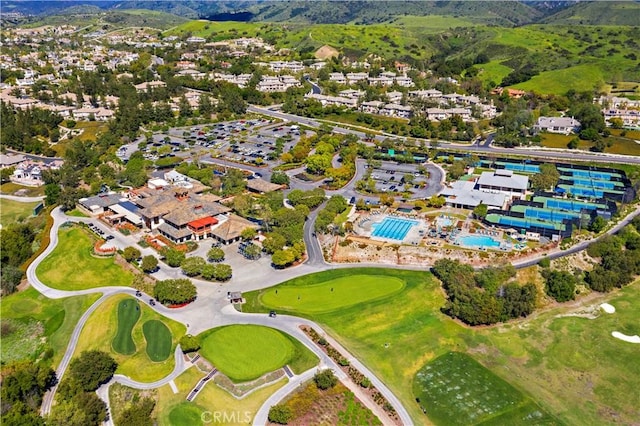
pixel 53 319
pixel 15 211
pixel 331 295
pixel 71 265
pixel 158 339
pixel 12 188
pixel 246 352
pixel 128 315
pixel 456 389
pixel 551 358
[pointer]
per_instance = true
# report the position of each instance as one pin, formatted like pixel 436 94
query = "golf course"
pixel 553 358
pixel 246 352
pixel 153 344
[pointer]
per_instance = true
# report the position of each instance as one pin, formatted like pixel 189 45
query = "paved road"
pixel 22 199
pixel 486 148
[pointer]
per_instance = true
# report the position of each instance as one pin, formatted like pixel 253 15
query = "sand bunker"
pixel 630 339
pixel 608 308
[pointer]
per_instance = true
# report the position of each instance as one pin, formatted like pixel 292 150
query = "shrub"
pixel 130 254
pixel 544 262
pixel 189 343
pixel 192 266
pixel 280 414
pixel 175 292
pixel 216 254
pixel 173 257
pixel 325 379
pixel 149 263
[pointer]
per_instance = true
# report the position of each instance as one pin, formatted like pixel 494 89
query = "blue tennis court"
pixel 524 223
pixel 393 228
pixel 576 206
pixel 595 183
pixel 549 215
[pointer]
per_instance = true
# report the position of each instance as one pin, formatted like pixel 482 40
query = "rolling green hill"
pixel 598 13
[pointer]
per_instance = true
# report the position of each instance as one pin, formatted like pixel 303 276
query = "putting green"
pixel 128 315
pixel 246 352
pixel 185 413
pixel 158 338
pixel 331 295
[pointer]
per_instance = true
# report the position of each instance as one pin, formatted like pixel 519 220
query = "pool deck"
pixel 413 237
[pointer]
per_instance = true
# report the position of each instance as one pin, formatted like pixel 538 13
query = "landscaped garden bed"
pixel 354 373
pixel 337 405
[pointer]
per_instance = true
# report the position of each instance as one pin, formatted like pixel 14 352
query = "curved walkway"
pixel 220 312
pixel 226 316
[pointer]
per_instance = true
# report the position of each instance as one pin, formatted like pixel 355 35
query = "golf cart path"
pixel 227 316
pixel 224 314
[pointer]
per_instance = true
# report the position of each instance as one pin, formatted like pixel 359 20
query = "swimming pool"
pixel 478 241
pixel 393 228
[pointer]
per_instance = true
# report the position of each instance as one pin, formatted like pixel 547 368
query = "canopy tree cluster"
pixel 483 297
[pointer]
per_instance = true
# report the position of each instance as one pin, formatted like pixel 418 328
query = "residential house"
pixel 563 125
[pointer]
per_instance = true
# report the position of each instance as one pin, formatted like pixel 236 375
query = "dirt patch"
pixel 326 52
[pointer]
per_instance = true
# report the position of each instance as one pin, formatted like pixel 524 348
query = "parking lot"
pixel 393 177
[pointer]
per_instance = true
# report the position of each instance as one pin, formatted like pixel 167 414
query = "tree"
pixel 456 170
pixel 91 370
pixel 560 285
pixel 17 239
pixel 282 258
pixel 25 383
pixel 325 379
pixel 216 254
pixel 598 224
pixel 173 257
pixel 480 211
pixel 149 263
pixel 130 254
pixel 192 266
pixel 189 343
pixel 280 414
pixel 547 178
pixel 248 234
pixel 280 178
pixel 138 414
pixel 273 242
pixel 205 107
pixel 223 272
pixel 175 292
pixel 10 279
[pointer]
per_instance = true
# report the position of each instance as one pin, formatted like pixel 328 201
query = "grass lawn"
pixel 55 320
pixel 15 211
pixel 102 326
pixel 456 389
pixel 128 316
pixel 11 188
pixel 158 338
pixel 71 265
pixel 331 295
pixel 246 352
pixel 556 361
pixel 173 410
pixel 619 144
pixel 75 213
